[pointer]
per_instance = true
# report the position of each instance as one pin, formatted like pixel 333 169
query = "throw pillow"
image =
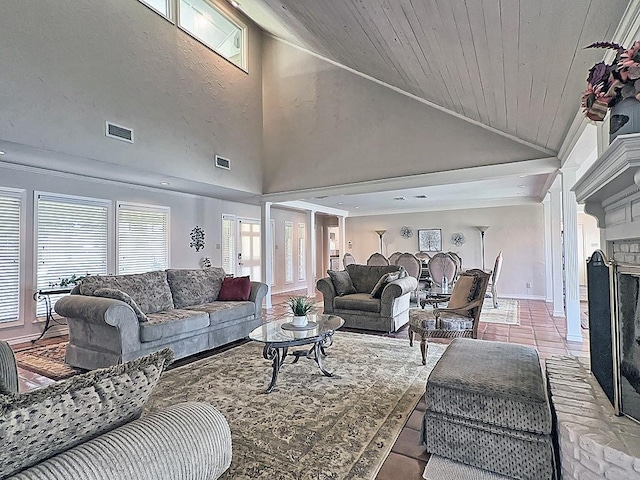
pixel 39 424
pixel 382 282
pixel 342 282
pixel 123 297
pixel 195 286
pixel 235 289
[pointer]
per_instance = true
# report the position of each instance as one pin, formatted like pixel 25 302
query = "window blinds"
pixel 143 238
pixel 229 244
pixel 9 257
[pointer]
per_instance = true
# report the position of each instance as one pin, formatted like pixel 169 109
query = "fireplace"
pixel 614 324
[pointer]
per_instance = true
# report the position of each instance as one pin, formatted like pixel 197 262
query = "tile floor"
pixel 538 328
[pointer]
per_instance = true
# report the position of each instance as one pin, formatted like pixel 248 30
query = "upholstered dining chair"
pixel 424 257
pixel 393 257
pixel 460 317
pixel 348 259
pixel 442 265
pixel 377 260
pixel 495 276
pixel 412 265
pixel 458 259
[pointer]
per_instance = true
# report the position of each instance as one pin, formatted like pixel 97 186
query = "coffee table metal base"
pixel 278 352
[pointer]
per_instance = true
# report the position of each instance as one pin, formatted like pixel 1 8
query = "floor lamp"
pixel 380 234
pixel 482 229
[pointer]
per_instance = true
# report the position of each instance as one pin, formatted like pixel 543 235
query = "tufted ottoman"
pixel 487 407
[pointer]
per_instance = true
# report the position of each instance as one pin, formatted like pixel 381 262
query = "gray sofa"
pixel 88 427
pixel 360 309
pixel 178 309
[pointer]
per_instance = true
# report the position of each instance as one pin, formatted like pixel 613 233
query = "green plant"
pixel 300 305
pixel 72 280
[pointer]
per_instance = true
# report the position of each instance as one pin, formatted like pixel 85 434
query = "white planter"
pixel 300 320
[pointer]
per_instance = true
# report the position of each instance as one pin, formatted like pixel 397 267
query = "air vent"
pixel 223 163
pixel 121 133
pixel 421 196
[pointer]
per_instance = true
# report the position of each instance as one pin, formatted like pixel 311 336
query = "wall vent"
pixel 117 131
pixel 223 163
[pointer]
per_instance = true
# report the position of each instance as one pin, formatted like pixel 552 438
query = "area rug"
pixel 47 360
pixel 311 426
pixel 507 312
pixel 440 468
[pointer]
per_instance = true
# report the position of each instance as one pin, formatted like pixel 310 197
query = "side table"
pixel 45 294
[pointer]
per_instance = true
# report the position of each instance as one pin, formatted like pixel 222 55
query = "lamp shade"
pixel 483 228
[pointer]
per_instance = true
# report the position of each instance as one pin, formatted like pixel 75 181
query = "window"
pixel 71 239
pixel 214 28
pixel 143 238
pixel 10 206
pixel 288 252
pixel 302 257
pixel 160 6
pixel 229 244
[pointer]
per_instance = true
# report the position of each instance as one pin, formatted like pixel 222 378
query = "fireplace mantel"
pixel 610 189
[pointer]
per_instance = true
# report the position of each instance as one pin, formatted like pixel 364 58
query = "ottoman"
pixel 487 407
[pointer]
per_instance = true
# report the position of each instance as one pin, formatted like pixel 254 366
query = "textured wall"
pixel 324 125
pixel 69 66
pixel 516 231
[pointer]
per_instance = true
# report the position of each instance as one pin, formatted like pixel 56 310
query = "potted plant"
pixel 300 307
pixel 613 84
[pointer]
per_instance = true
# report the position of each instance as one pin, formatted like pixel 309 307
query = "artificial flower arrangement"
pixel 608 84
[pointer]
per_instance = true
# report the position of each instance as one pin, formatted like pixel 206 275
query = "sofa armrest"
pixel 394 290
pixel 8 369
pixel 258 292
pixel 325 285
pixel 183 442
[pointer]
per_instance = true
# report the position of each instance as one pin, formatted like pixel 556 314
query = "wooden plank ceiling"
pixel 517 66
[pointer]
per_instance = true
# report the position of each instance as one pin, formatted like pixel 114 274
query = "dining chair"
pixel 495 276
pixel 393 257
pixel 378 260
pixel 348 259
pixel 413 267
pixel 442 265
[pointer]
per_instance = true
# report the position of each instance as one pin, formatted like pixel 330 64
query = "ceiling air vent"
pixel 121 133
pixel 223 163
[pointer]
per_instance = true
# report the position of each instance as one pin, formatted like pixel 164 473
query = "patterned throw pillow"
pixel 382 282
pixel 342 282
pixel 123 297
pixel 39 424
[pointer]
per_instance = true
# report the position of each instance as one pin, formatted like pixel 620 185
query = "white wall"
pixel 324 125
pixel 517 231
pixel 280 215
pixel 69 66
pixel 186 211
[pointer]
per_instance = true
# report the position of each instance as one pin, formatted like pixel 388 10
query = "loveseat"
pixel 372 300
pixel 113 319
pixel 88 427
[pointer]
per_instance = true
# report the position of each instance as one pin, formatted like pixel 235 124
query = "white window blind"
pixel 71 240
pixel 288 252
pixel 302 257
pixel 229 244
pixel 273 252
pixel 10 205
pixel 143 238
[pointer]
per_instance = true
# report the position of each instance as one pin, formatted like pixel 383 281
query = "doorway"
pixel 249 250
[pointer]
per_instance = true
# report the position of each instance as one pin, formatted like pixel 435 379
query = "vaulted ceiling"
pixel 517 67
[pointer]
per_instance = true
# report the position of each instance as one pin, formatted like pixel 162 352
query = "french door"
pixel 249 249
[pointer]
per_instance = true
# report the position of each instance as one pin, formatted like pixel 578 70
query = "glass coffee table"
pixel 278 336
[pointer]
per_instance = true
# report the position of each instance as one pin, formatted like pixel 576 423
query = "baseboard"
pixel 54 331
pixel 522 297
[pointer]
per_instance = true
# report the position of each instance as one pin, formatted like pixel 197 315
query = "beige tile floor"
pixel 538 328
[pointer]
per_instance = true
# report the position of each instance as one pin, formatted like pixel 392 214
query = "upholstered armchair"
pixel 459 319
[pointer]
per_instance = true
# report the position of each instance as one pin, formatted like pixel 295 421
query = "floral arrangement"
pixel 608 84
pixel 300 306
pixel 66 282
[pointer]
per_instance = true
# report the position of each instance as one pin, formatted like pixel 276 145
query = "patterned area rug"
pixel 310 426
pixel 440 468
pixel 47 360
pixel 507 312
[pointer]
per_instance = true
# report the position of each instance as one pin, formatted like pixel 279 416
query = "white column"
pixel 311 259
pixel 571 280
pixel 548 256
pixel 343 235
pixel 556 248
pixel 266 250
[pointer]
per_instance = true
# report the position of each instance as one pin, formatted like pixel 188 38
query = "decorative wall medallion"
pixel 406 232
pixel 458 239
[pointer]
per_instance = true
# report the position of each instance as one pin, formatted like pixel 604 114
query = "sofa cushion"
pixel 149 290
pixel 194 286
pixel 123 297
pixel 221 312
pixel 41 423
pixel 376 292
pixel 357 301
pixel 341 282
pixel 172 322
pixel 235 289
pixel 365 277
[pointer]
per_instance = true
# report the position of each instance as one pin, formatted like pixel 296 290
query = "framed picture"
pixel 430 240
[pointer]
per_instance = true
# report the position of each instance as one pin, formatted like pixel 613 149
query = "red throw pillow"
pixel 237 288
